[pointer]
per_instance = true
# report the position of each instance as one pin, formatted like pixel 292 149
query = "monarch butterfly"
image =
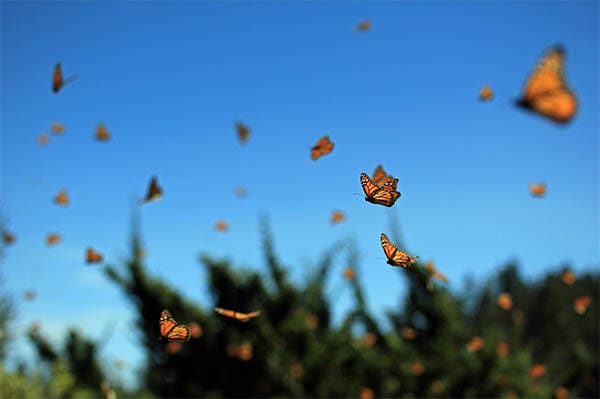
pixel 62 198
pixel 53 239
pixel 536 371
pixel 221 226
pixel 475 344
pixel 376 194
pixel 568 277
pixel 395 256
pixel 57 79
pixel 364 26
pixel 57 128
pixel 154 191
pixel 537 190
pixel 243 131
pixel 92 256
pixel 29 295
pixel 43 139
pixel 581 304
pixel 431 270
pixel 241 192
pixel 546 92
pixel 504 301
pixel 243 317
pixel 383 180
pixel 102 133
pixel 323 147
pixel 8 238
pixel 172 331
pixel 486 93
pixel 337 217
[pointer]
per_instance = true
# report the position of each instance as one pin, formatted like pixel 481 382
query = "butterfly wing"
pixel 57 80
pixel 154 191
pixel 395 256
pixel 546 92
pixel 379 175
pixel 378 195
pixel 172 331
pixel 243 131
pixel 323 147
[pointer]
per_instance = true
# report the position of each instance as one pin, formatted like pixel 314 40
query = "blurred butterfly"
pixel 243 317
pixel 53 239
pixel 536 371
pixel 102 133
pixel 432 272
pixel 29 295
pixel 221 226
pixel 172 331
pixel 8 238
pixel 376 194
pixel 337 217
pixel 92 256
pixel 546 92
pixel 43 139
pixel 57 79
pixel 395 256
pixel 154 191
pixel 568 277
pixel 243 131
pixel 537 190
pixel 475 344
pixel 486 93
pixel 62 198
pixel 241 192
pixel 323 147
pixel 504 301
pixel 581 304
pixel 383 180
pixel 57 128
pixel 364 26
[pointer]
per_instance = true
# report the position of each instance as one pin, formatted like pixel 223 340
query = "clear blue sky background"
pixel 170 79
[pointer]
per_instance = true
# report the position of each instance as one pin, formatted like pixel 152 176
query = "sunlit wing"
pixel 323 147
pixel 237 315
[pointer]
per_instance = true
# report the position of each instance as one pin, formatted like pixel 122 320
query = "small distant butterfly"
pixel 241 192
pixel 337 217
pixel 8 238
pixel 243 132
pixel 504 301
pixel 568 277
pixel 581 304
pixel 475 344
pixel 102 133
pixel 221 226
pixel 486 93
pixel 395 256
pixel 323 147
pixel 53 239
pixel 92 256
pixel 62 198
pixel 57 80
pixel 43 139
pixel 243 317
pixel 57 128
pixel 364 26
pixel 546 92
pixel 154 191
pixel 376 194
pixel 172 331
pixel 29 295
pixel 431 270
pixel 536 371
pixel 537 190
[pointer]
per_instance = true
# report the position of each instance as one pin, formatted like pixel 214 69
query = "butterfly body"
pixel 395 256
pixel 171 330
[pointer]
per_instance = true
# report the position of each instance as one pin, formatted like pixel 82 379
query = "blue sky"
pixel 169 80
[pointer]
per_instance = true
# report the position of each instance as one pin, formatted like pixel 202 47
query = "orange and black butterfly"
pixel 580 304
pixel 43 139
pixel 383 180
pixel 172 331
pixel 376 194
pixel 221 226
pixel 154 191
pixel 102 133
pixel 8 238
pixel 243 317
pixel 337 217
pixel 53 239
pixel 323 147
pixel 243 131
pixel 395 256
pixel 364 26
pixel 57 79
pixel 546 92
pixel 537 190
pixel 62 198
pixel 486 93
pixel 92 256
pixel 57 128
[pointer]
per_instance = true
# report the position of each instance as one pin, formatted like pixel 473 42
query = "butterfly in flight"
pixel 395 256
pixel 57 80
pixel 221 226
pixel 323 147
pixel 537 190
pixel 380 195
pixel 243 132
pixel 581 304
pixel 364 26
pixel 172 331
pixel 546 92
pixel 154 191
pixel 102 133
pixel 57 128
pixel 92 256
pixel 337 217
pixel 8 238
pixel 486 93
pixel 53 239
pixel 243 317
pixel 43 139
pixel 62 198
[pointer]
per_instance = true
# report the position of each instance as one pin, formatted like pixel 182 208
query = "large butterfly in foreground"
pixel 243 317
pixel 381 195
pixel 172 331
pixel 154 191
pixel 546 92
pixel 395 256
pixel 323 147
pixel 57 79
